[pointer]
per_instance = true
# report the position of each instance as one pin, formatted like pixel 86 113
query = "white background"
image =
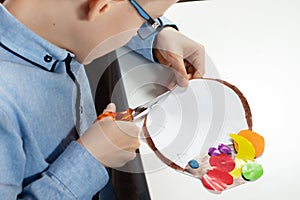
pixel 256 46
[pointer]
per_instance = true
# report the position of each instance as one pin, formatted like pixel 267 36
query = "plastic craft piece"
pixel 194 164
pixel 237 171
pixel 257 141
pixel 223 162
pixel 217 180
pixel 213 151
pixel 246 150
pixel 252 171
pixel 224 149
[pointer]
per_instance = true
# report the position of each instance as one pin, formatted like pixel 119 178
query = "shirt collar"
pixel 20 40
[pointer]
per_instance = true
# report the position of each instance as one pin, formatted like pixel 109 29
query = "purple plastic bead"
pixel 212 151
pixel 224 149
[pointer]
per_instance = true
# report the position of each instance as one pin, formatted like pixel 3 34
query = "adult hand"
pixel 184 55
pixel 112 143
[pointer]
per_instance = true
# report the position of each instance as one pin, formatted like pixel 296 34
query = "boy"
pixel 49 146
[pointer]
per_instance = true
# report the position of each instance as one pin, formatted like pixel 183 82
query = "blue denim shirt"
pixel 40 87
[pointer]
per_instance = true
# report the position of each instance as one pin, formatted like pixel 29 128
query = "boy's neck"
pixel 52 22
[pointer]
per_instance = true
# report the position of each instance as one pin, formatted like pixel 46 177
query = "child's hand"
pixel 113 143
pixel 181 53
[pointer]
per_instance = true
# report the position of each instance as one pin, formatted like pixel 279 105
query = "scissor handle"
pixel 121 116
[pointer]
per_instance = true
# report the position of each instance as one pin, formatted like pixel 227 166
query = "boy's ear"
pixel 96 7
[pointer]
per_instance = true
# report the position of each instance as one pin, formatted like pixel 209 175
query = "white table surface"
pixel 255 45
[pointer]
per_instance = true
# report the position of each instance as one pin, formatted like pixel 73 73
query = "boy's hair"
pixel 1 1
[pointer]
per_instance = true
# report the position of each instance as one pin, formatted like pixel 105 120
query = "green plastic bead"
pixel 252 171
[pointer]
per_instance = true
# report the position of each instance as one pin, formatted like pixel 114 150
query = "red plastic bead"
pixel 223 162
pixel 217 180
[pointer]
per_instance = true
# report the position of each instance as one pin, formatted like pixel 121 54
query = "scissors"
pixel 133 113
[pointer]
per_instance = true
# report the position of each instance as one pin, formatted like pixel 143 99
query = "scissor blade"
pixel 141 110
pixel 154 101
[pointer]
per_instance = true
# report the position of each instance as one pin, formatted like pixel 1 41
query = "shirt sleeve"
pixel 144 47
pixel 75 174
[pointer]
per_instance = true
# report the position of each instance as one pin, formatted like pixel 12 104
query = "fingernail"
pixel 111 107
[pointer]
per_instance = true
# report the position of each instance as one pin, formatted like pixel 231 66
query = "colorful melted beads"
pixel 227 167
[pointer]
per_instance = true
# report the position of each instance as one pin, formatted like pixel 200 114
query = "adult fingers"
pixel 197 60
pixel 177 63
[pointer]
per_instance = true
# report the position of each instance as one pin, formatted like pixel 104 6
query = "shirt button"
pixel 81 109
pixel 47 58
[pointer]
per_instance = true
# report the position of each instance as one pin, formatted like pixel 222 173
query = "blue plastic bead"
pixel 194 164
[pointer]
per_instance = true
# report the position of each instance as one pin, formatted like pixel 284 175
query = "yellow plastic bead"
pixel 237 171
pixel 246 150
